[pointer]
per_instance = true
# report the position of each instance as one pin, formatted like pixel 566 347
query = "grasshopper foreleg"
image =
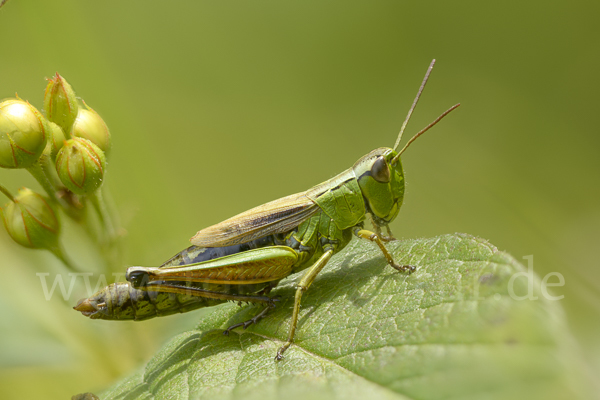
pixel 374 237
pixel 390 236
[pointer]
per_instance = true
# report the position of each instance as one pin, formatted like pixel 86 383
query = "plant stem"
pixel 103 214
pixel 7 193
pixel 45 174
pixel 113 252
pixel 111 211
pixel 59 253
pixel 39 175
pixel 49 171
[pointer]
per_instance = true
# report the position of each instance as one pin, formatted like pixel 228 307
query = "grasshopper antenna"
pixel 422 131
pixel 414 104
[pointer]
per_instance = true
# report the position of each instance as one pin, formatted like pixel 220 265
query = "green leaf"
pixel 451 330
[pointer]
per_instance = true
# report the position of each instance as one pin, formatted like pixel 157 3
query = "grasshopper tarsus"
pixel 387 239
pixel 390 236
pixel 279 355
pixel 405 268
pixel 282 350
pixel 408 269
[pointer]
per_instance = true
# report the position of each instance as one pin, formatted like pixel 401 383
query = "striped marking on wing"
pixel 278 216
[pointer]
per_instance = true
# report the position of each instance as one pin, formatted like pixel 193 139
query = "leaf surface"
pixel 451 330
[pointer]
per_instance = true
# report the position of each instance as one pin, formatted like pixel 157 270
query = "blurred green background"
pixel 216 107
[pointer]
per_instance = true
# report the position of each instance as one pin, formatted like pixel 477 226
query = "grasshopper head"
pixel 380 175
pixel 381 183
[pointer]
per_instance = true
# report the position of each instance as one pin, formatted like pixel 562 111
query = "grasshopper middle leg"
pixel 252 320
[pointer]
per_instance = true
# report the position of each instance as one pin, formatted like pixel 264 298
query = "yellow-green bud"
pixel 80 165
pixel 31 221
pixel 89 125
pixel 22 134
pixel 56 140
pixel 60 103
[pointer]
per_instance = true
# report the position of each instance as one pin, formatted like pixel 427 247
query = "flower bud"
pixel 56 140
pixel 22 134
pixel 89 125
pixel 80 165
pixel 31 221
pixel 60 103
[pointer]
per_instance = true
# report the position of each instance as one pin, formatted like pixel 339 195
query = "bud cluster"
pixel 65 150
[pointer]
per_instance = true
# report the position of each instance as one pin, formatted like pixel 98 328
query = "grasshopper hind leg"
pixel 303 286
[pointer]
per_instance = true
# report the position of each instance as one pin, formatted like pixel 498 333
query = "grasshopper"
pixel 242 258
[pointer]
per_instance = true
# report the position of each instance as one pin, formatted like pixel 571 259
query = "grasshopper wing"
pixel 277 216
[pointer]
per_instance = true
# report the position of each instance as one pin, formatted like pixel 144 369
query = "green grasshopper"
pixel 241 259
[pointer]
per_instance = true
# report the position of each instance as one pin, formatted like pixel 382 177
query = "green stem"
pixel 90 225
pixel 42 172
pixel 117 243
pixel 49 171
pixel 7 193
pixel 59 253
pixel 111 211
pixel 39 175
pixel 112 252
pixel 103 215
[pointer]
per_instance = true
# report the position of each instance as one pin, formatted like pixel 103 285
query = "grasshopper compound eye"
pixel 380 171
